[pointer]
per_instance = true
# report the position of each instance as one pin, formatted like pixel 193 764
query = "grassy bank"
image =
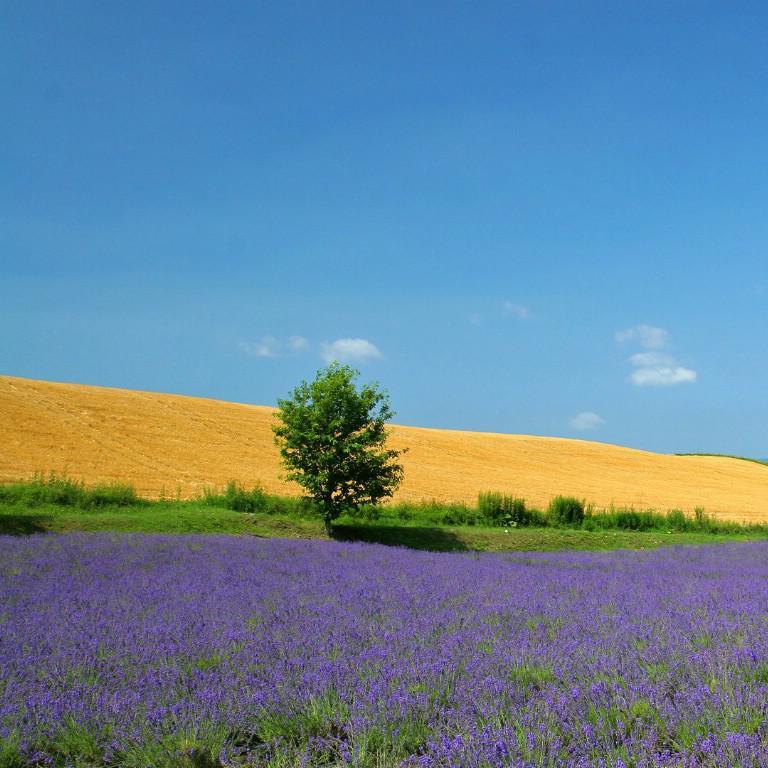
pixel 764 462
pixel 498 523
pixel 192 517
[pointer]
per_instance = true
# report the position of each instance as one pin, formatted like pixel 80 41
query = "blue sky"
pixel 545 218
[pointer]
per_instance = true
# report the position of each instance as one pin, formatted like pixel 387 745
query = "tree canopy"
pixel 332 438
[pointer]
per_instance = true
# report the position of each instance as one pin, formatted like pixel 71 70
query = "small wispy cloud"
pixel 647 336
pixel 654 368
pixel 662 376
pixel 513 309
pixel 270 346
pixel 586 421
pixel 297 343
pixel 349 351
pixel 267 346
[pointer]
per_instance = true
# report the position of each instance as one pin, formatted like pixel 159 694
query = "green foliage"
pixel 10 754
pixel 199 747
pixel 530 676
pixel 36 507
pixel 239 499
pixel 110 495
pixel 75 745
pixel 332 439
pixel 421 512
pixel 674 520
pixel 420 532
pixel 500 509
pixel 566 511
pixel 764 462
pixel 319 733
pixel 63 492
pixel 677 520
pixel 454 514
pixel 625 520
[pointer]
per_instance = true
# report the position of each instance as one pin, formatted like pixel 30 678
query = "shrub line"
pixel 493 510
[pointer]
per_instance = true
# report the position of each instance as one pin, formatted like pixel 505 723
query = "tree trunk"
pixel 328 526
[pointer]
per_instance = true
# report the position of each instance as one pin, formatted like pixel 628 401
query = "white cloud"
pixel 654 368
pixel 267 346
pixel 662 376
pixel 297 343
pixel 651 359
pixel 586 420
pixel 647 336
pixel 349 351
pixel 519 311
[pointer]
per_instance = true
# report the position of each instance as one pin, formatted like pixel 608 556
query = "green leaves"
pixel 332 439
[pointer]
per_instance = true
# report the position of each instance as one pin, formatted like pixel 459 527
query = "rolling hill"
pixel 169 444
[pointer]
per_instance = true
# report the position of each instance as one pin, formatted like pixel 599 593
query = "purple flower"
pixel 238 651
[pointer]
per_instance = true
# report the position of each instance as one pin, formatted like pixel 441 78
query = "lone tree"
pixel 332 440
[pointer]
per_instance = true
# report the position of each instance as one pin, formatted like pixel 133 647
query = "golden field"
pixel 169 444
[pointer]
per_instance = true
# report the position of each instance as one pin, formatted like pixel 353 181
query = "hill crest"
pixel 164 444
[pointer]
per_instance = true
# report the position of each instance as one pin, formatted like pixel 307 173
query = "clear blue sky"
pixel 544 217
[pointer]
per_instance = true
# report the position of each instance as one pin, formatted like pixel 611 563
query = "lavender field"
pixel 163 651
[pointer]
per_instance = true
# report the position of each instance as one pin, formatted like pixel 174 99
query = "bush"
pixel 458 514
pixel 500 509
pixel 536 517
pixel 256 500
pixel 63 492
pixel 677 521
pixel 240 500
pixel 111 495
pixel 674 520
pixel 625 519
pixel 368 512
pixel 430 513
pixel 43 490
pixel 236 498
pixel 566 511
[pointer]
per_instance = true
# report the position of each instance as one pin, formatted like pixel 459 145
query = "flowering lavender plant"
pixel 144 650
